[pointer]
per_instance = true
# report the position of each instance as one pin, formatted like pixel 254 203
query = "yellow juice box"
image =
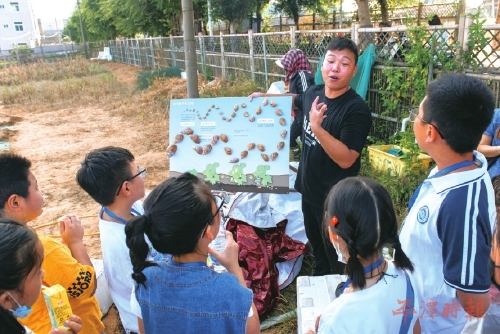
pixel 57 305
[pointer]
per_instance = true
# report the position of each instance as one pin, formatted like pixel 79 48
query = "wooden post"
pixel 333 20
pixel 292 37
pixel 314 21
pixel 419 13
pixel 252 60
pixel 222 59
pixel 281 26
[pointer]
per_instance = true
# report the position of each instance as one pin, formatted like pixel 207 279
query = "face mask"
pixel 21 311
pixel 340 256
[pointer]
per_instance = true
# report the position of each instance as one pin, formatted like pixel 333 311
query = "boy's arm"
pixel 475 304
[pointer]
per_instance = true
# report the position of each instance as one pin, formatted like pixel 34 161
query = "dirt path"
pixel 56 141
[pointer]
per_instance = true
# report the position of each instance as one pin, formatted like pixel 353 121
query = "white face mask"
pixel 340 256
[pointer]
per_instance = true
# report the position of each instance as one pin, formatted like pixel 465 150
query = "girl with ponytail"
pixel 182 294
pixel 378 296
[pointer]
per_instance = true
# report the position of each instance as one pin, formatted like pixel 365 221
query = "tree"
pixel 294 7
pixel 231 10
pixel 364 13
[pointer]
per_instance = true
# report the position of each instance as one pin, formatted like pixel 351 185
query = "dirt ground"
pixel 56 142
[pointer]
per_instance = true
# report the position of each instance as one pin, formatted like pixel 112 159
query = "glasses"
pixel 142 172
pixel 215 214
pixel 414 115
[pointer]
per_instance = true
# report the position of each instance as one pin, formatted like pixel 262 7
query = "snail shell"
pixel 171 150
pixel 187 131
pixel 264 103
pixel 195 138
pixel 215 139
pixel 208 110
pixel 283 134
pixel 273 104
pixel 223 118
pixel 282 121
pixel 216 107
pixel 245 114
pixel 261 147
pixel 265 157
pixel 228 150
pixel 243 105
pixel 207 148
pixel 251 119
pixel 259 110
pixel 223 137
pixel 234 160
pixel 251 146
pixel 212 106
pixel 244 154
pixel 178 138
pixel 281 144
pixel 220 112
pixel 233 114
pixel 274 155
pixel 278 112
pixel 236 107
pixel 229 119
pixel 198 149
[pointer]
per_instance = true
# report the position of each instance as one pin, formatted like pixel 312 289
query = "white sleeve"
pixel 135 308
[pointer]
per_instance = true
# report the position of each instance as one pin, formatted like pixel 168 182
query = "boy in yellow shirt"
pixel 65 263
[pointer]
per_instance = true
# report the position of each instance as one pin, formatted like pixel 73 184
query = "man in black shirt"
pixel 336 124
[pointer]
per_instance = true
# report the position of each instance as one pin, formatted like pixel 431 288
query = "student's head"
pixel 107 172
pixel 178 213
pixel 360 220
pixel 457 108
pixel 20 198
pixel 340 63
pixel 21 256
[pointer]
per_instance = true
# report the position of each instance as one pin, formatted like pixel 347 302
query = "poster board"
pixel 232 143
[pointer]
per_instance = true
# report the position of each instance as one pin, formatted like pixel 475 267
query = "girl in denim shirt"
pixel 182 294
pixel 490 145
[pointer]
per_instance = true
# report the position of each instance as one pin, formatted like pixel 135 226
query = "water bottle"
pixel 385 254
pixel 218 245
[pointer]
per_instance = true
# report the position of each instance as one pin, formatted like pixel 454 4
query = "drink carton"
pixel 57 305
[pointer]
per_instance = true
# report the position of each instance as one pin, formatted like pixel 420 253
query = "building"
pixel 17 24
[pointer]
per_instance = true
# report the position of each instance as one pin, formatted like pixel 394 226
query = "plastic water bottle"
pixel 385 254
pixel 218 245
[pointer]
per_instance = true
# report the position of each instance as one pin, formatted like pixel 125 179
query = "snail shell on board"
pixel 243 105
pixel 229 119
pixel 171 150
pixel 274 155
pixel 245 114
pixel 259 110
pixel 251 119
pixel 261 147
pixel 234 160
pixel 228 150
pixel 278 112
pixel 178 138
pixel 198 149
pixel 264 103
pixel 281 144
pixel 283 134
pixel 265 157
pixel 251 146
pixel 220 112
pixel 195 138
pixel 223 137
pixel 233 114
pixel 244 154
pixel 215 139
pixel 236 107
pixel 207 148
pixel 187 131
pixel 273 104
pixel 212 106
pixel 282 121
pixel 223 118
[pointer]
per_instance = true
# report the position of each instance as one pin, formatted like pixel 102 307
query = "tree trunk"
pixel 364 14
pixel 259 15
pixel 384 9
pixel 232 27
pixel 296 20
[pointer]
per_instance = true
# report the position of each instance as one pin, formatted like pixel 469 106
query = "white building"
pixel 17 24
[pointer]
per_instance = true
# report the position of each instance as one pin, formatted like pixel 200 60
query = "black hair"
pixel 366 222
pixel 341 43
pixel 435 21
pixel 14 171
pixel 103 172
pixel 18 257
pixel 175 215
pixel 461 107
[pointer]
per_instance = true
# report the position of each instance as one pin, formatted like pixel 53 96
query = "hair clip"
pixel 334 221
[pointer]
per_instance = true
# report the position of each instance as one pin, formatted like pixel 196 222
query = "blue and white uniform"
pixel 447 235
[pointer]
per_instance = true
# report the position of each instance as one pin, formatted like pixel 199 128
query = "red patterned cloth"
pixel 293 62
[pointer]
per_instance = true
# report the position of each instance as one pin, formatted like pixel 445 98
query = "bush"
pixel 146 78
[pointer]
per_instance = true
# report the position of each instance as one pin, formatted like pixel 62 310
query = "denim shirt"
pixel 490 131
pixel 192 298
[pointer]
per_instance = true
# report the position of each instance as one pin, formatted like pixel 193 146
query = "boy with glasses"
pixel 447 232
pixel 112 178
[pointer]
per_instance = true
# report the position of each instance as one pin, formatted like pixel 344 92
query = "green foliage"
pixel 294 7
pixel 22 50
pixel 231 10
pixel 211 173
pixel 261 176
pixel 475 44
pixel 146 78
pixel 238 86
pixel 237 174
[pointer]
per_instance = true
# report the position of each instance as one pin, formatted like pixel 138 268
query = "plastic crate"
pixel 383 161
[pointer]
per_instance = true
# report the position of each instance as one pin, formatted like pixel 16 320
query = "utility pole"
pixel 190 48
pixel 81 28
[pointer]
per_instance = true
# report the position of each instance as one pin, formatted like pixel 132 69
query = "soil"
pixel 56 141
